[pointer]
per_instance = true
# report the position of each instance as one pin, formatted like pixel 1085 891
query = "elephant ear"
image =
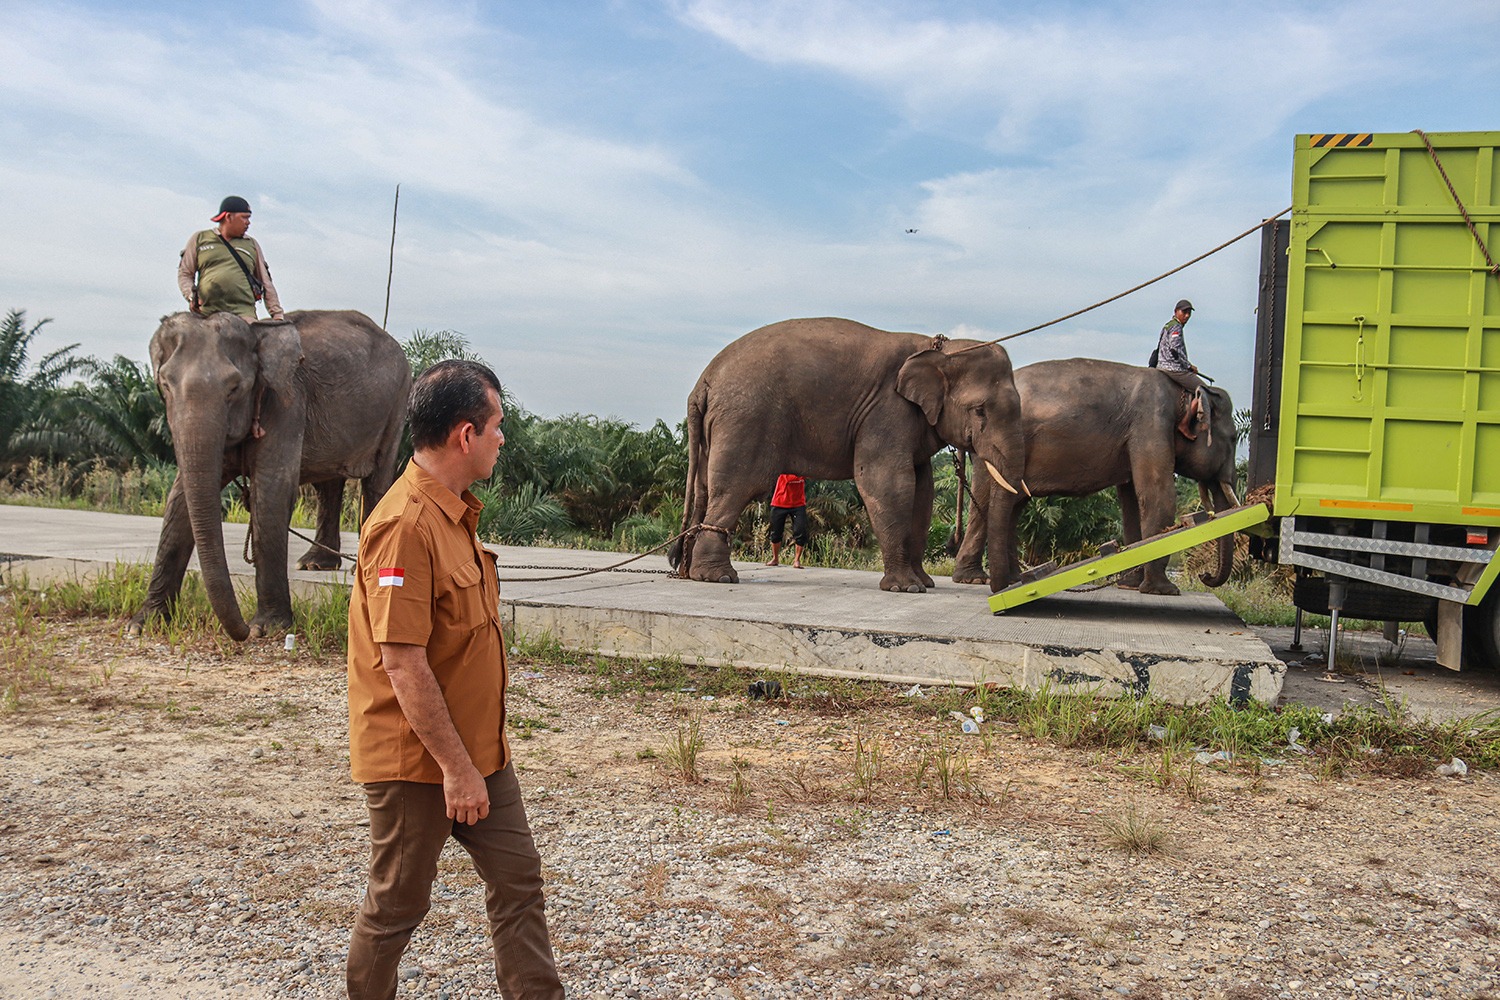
pixel 922 381
pixel 279 351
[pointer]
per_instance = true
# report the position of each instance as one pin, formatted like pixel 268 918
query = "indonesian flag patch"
pixel 395 576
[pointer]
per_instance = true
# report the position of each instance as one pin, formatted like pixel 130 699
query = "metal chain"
pixel 1494 268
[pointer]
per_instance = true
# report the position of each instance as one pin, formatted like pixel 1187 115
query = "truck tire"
pixel 1482 633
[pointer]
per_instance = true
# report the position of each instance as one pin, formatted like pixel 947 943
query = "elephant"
pixel 835 399
pixel 318 398
pixel 1090 425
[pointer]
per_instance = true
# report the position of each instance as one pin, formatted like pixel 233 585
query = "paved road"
pixel 816 598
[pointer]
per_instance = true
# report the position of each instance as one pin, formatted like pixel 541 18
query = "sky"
pixel 601 194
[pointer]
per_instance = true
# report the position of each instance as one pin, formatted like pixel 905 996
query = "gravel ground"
pixel 179 823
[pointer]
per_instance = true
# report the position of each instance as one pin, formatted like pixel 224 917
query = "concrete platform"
pixel 816 621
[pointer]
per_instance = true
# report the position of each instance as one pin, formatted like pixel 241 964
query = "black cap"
pixel 1183 305
pixel 234 203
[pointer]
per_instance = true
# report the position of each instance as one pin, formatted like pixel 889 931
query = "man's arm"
pixel 422 703
pixel 187 268
pixel 273 301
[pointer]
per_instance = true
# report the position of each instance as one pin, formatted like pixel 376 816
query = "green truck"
pixel 1377 386
pixel 1376 410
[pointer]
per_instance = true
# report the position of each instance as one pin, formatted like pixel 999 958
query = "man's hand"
pixel 466 794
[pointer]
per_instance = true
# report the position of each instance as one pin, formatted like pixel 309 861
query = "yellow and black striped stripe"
pixel 1334 140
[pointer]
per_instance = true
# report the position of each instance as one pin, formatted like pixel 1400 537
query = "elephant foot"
pixel 902 584
pixel 715 574
pixel 1162 588
pixel 317 558
pixel 136 626
pixel 970 573
pixel 1130 581
pixel 926 579
pixel 267 624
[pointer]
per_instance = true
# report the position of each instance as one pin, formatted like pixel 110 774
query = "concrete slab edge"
pixel 877 656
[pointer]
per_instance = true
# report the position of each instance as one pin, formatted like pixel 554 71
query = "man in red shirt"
pixel 789 500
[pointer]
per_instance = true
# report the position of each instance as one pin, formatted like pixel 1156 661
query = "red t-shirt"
pixel 791 491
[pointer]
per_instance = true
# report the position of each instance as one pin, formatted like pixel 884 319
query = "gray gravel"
pixel 185 828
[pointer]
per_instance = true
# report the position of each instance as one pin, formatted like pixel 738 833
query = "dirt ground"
pixel 179 823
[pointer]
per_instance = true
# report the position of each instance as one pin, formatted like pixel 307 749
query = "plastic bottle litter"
pixel 1455 768
pixel 291 641
pixel 967 724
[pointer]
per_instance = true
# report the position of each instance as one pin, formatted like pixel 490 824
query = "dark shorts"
pixel 799 524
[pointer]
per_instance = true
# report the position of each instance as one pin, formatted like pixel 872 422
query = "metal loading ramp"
pixel 1199 528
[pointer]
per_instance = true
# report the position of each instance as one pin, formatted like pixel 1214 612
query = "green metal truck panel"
pixel 1390 393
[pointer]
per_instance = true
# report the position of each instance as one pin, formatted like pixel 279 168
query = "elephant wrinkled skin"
pixel 330 388
pixel 835 399
pixel 1094 424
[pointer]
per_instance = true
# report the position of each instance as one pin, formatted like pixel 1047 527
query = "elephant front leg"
pixel 1130 524
pixel 921 524
pixel 889 494
pixel 173 551
pixel 1157 496
pixel 324 552
pixel 270 517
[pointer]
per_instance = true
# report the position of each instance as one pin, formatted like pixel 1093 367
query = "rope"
pixel 1494 268
pixel 1128 291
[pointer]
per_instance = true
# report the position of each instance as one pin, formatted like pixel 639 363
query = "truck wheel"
pixel 1482 633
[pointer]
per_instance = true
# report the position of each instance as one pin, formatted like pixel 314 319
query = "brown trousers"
pixel 408 828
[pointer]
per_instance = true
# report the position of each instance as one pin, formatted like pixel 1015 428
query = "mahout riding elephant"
pixel 835 399
pixel 1090 425
pixel 318 399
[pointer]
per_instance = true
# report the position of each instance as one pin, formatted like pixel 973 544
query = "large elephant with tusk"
pixel 1090 425
pixel 317 399
pixel 835 399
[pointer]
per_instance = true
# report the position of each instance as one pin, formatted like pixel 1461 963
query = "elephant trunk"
pixel 1223 499
pixel 200 458
pixel 1005 503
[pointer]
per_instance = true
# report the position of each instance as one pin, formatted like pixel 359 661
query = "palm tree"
pixel 115 414
pixel 23 395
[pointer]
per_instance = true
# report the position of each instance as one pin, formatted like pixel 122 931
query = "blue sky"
pixel 601 195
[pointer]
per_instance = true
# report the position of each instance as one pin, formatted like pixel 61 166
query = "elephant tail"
pixel 695 492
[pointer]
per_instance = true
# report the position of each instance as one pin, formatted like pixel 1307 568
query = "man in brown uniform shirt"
pixel 427 699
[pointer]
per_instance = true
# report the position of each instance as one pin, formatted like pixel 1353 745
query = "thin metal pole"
pixel 391 267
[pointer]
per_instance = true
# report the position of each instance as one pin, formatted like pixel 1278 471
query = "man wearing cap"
pixel 1172 361
pixel 223 270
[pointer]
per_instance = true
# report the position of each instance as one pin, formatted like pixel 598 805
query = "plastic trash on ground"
pixel 915 691
pixel 1455 768
pixel 1218 756
pixel 1292 736
pixel 967 724
pixel 1156 732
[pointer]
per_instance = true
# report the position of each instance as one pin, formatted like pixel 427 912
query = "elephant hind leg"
pixel 323 554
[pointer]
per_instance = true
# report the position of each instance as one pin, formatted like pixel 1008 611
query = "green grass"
pixel 1381 738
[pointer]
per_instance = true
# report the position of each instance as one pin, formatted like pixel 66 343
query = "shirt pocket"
pixel 464 597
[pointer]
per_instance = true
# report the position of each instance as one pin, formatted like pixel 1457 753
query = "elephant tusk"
pixel 999 478
pixel 1025 489
pixel 1228 489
